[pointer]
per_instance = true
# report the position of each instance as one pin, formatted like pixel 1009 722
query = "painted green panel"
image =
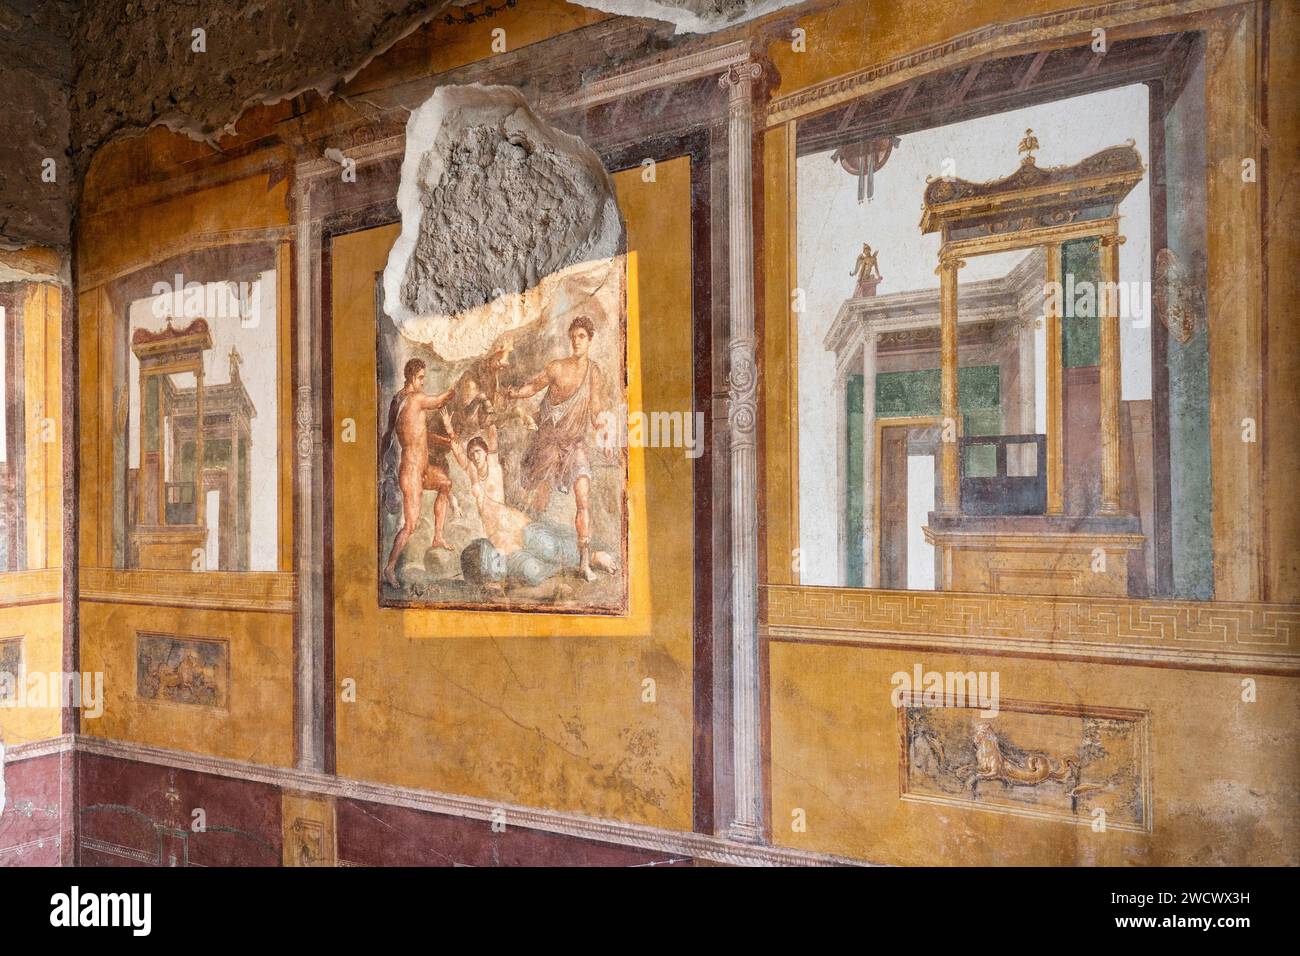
pixel 981 461
pixel 982 421
pixel 1080 328
pixel 910 394
pixel 149 415
pixel 854 500
pixel 979 386
pixel 905 394
pixel 1191 498
pixel 216 454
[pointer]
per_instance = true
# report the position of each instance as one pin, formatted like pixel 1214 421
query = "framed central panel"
pixel 504 460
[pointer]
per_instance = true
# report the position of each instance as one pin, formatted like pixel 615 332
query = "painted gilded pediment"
pixel 1058 192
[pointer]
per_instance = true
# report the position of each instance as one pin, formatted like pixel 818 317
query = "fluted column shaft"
pixel 742 380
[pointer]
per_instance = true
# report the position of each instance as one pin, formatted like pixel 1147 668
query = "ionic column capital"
pixel 739 79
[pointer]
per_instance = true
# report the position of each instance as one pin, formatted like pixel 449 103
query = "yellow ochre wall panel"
pixel 41 628
pixel 1222 771
pixel 240 210
pixel 31 607
pixel 256 723
pixel 95 434
pixel 537 709
pixel 42 359
pixel 780 517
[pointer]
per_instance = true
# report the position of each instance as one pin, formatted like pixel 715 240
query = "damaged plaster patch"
pixel 595 287
pixel 136 64
pixel 493 202
pixel 691 16
pixel 9 274
pixel 35 76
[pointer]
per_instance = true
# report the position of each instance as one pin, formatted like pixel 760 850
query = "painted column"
pixel 948 266
pixel 742 379
pixel 233 499
pixel 310 715
pixel 1248 553
pixel 1108 309
pixel 842 490
pixel 1019 407
pixel 870 491
pixel 1026 373
pixel 200 496
pixel 160 493
pixel 1055 383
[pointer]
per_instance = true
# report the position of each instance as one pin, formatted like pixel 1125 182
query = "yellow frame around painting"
pixel 354 380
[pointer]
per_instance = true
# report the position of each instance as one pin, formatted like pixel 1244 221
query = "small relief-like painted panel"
pixel 309 830
pixel 183 670
pixel 1088 765
pixel 11 668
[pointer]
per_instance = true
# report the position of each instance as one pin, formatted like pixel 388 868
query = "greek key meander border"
pixel 39 586
pixel 268 591
pixel 976 43
pixel 676 842
pixel 1177 633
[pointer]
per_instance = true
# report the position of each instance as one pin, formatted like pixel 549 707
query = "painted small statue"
pixel 867 271
pixel 1027 147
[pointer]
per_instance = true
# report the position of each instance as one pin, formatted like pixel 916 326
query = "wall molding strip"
pixel 676 842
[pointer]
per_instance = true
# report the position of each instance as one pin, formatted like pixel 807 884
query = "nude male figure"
pixel 557 455
pixel 416 472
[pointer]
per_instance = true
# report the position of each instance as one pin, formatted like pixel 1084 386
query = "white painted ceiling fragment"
pixel 691 16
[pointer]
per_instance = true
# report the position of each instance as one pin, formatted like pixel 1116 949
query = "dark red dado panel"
pixel 139 814
pixel 33 822
pixel 375 834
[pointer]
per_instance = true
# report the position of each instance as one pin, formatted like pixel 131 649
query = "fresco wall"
pixel 37 687
pixel 31 580
pixel 1075 765
pixel 276 647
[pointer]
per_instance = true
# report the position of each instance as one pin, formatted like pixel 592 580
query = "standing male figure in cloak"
pixel 421 468
pixel 557 455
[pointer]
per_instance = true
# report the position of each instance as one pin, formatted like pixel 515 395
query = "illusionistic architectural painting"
pixel 1015 426
pixel 676 433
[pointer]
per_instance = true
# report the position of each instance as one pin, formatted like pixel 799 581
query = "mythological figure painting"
pixel 499 483
pixel 1048 761
pixel 182 670
pixel 1003 379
